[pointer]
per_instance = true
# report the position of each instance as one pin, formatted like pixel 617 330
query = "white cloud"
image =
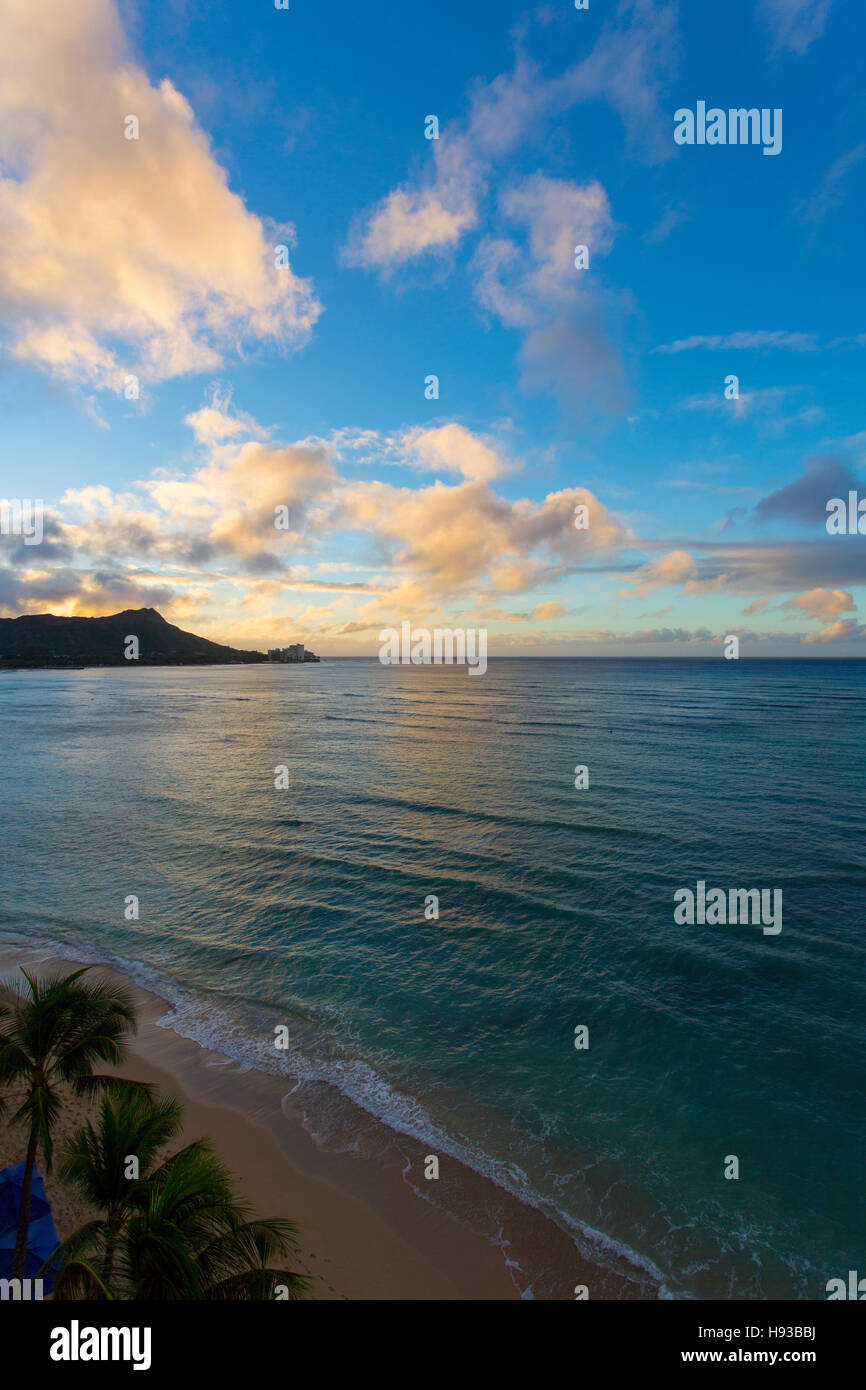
pixel 215 421
pixel 559 307
pixel 558 215
pixel 676 567
pixel 763 338
pixel 764 404
pixel 632 59
pixel 409 222
pixel 832 192
pixel 120 255
pixel 453 449
pixel 794 24
pixel 822 603
pixel 432 545
pixel 842 629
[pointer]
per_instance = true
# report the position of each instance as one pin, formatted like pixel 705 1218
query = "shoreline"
pixel 367 1227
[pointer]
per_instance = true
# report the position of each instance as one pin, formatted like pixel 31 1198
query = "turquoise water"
pixel 556 909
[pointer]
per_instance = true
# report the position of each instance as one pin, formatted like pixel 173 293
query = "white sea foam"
pixel 199 1016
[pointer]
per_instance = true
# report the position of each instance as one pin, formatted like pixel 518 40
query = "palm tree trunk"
pixel 19 1260
pixel 110 1247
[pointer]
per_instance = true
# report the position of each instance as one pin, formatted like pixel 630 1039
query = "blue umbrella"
pixel 41 1236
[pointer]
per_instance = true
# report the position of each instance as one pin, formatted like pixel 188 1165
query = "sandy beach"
pixel 367 1228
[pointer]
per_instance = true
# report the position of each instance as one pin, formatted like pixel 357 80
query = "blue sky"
pixel 558 387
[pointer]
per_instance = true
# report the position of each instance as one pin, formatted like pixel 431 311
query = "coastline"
pixel 367 1227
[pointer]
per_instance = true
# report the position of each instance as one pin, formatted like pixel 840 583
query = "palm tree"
pixel 173 1232
pixel 132 1122
pixel 52 1034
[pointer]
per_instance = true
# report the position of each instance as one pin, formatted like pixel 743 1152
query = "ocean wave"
pixel 199 1016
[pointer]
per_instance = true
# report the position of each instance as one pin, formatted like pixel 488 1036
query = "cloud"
pixel 448 540
pixel 793 24
pixel 767 403
pixel 122 256
pixel 409 222
pixel 224 510
pixel 731 518
pixel 215 526
pixel 843 629
pixel 674 568
pixel 670 219
pixel 559 308
pixel 347 629
pixel 441 449
pixel 762 338
pixel 69 592
pixel 557 215
pixel 778 566
pixel 746 403
pixel 201 544
pixel 822 603
pixel 433 214
pixel 544 612
pixel 806 498
pixel 634 56
pixel 853 443
pixel 654 636
pixel 214 422
pixel 777 339
pixel 831 193
pixel 452 449
pixel 819 565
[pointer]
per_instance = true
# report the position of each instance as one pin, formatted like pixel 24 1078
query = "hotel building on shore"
pixel 294 653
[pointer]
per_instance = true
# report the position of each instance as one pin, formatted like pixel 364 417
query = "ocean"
pixel 305 905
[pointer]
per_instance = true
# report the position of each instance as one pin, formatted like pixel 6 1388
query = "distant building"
pixel 295 654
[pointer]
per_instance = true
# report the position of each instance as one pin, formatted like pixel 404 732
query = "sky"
pixel 286 369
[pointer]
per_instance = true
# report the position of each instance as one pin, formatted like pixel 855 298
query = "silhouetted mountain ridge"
pixel 41 639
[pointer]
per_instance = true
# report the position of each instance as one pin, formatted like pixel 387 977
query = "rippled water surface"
pixel 556 909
